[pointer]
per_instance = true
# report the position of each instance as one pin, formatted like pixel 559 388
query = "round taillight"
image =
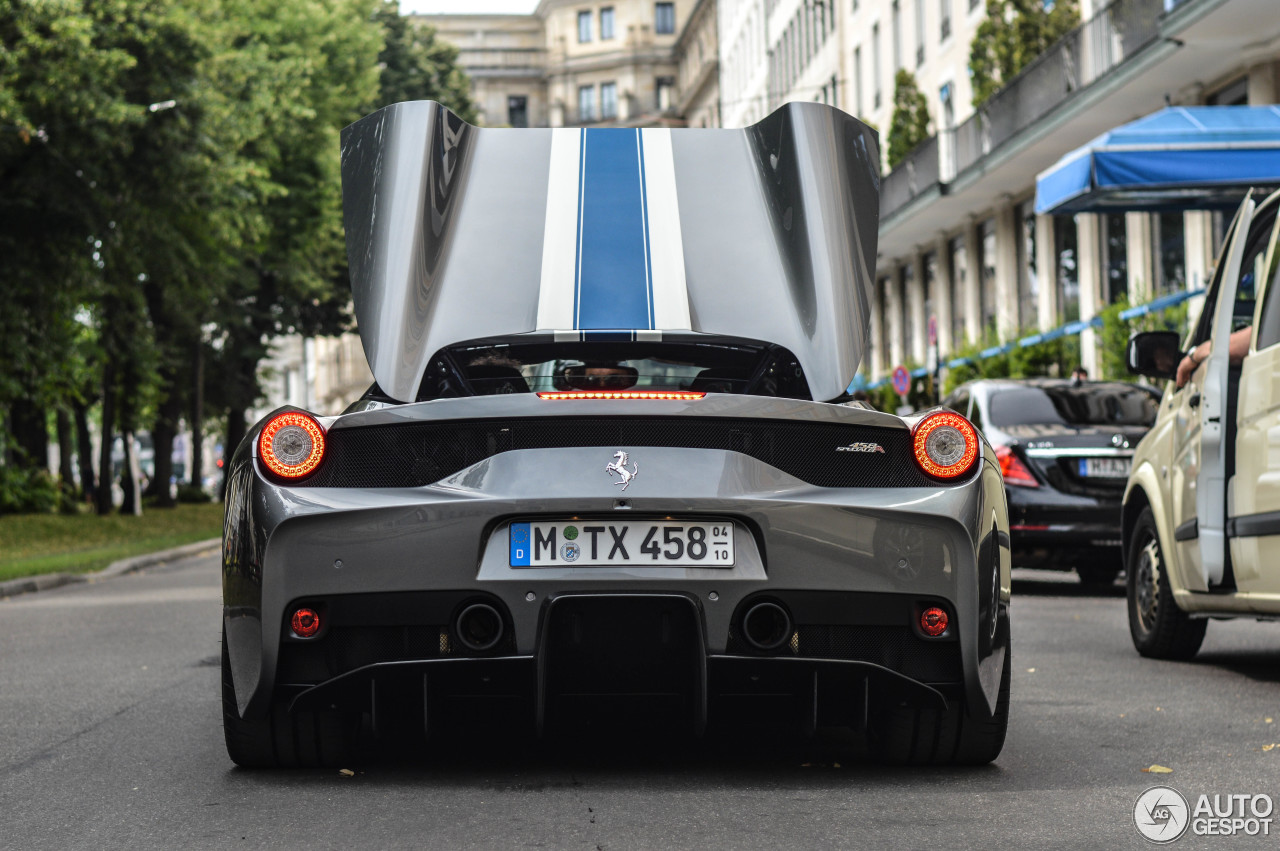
pixel 291 445
pixel 946 445
pixel 305 622
pixel 933 621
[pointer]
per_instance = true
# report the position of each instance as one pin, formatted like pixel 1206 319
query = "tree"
pixel 909 125
pixel 1014 34
pixel 309 68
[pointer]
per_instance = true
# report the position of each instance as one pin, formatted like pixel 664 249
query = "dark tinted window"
pixel 1268 333
pixel 1089 404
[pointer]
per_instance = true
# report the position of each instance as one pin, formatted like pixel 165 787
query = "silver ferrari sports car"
pixel 607 474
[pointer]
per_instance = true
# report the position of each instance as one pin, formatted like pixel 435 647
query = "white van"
pixel 1201 521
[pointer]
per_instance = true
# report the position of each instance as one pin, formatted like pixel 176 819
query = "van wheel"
pixel 1159 628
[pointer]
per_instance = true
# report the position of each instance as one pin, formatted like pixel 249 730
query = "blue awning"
pixel 1180 158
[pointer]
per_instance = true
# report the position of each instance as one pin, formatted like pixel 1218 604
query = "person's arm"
pixel 1237 348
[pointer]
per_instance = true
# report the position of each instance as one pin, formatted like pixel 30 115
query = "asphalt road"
pixel 110 737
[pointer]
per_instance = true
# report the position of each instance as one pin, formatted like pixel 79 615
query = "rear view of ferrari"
pixel 605 471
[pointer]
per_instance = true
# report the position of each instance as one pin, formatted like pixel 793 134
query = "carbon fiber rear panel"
pixel 420 454
pixel 894 647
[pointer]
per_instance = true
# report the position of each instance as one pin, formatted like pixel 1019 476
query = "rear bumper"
pixel 635 655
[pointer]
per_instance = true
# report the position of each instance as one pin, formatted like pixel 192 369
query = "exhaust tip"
pixel 479 627
pixel 766 626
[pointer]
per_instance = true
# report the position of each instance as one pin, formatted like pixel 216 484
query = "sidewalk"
pixel 26 585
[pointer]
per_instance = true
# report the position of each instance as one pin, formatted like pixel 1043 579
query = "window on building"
pixel 518 111
pixel 987 286
pixel 586 103
pixel 897 37
pixel 886 325
pixel 930 285
pixel 973 4
pixel 1233 94
pixel 1028 283
pixel 608 100
pixel 959 271
pixel 944 18
pixel 1067 268
pixel 584 27
pixel 919 33
pixel 606 23
pixel 664 18
pixel 664 88
pixel 906 279
pixel 857 82
pixel 1116 244
pixel 1170 250
pixel 875 65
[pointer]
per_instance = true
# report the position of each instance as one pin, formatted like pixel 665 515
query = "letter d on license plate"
pixel 635 543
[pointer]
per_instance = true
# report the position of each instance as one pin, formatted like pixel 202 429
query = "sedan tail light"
pixel 291 445
pixel 946 445
pixel 1014 471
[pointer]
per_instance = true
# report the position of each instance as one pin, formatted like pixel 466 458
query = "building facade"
pixel 600 63
pixel 505 56
pixel 961 247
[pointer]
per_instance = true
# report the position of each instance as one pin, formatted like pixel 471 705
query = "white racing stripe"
pixel 560 232
pixel 666 245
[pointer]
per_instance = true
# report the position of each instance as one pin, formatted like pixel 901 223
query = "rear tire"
pixel 282 739
pixel 1160 630
pixel 904 735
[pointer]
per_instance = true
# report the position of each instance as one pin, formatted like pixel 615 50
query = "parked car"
pixel 1064 449
pixel 597 478
pixel 1202 505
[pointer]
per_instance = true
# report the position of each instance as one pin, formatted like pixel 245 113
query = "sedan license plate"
pixel 635 543
pixel 1104 468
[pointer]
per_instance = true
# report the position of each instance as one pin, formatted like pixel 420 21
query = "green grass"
pixel 31 544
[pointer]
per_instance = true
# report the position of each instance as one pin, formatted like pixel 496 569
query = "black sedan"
pixel 1065 448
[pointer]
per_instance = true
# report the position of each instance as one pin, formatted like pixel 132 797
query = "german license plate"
pixel 635 543
pixel 1105 468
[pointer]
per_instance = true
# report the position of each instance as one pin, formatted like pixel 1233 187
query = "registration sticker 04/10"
pixel 634 543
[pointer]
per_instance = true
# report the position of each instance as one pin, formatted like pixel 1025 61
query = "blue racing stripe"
pixel 613 282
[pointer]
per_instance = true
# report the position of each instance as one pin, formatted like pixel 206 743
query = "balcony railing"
pixel 1112 36
pixel 913 175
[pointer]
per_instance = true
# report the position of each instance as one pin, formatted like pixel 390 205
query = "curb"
pixel 44 582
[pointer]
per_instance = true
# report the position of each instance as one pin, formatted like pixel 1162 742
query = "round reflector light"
pixel 291 445
pixel 933 621
pixel 305 622
pixel 946 445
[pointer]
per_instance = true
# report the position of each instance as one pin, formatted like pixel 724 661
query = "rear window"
pixel 1086 405
pixel 496 368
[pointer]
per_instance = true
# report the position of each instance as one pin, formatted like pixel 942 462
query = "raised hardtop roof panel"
pixel 458 233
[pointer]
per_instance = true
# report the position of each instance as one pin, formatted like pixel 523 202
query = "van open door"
pixel 1211 482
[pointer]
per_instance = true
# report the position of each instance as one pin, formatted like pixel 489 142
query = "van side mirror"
pixel 1155 354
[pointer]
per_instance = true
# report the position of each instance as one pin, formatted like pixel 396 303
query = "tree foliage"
pixel 909 125
pixel 170 196
pixel 1013 34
